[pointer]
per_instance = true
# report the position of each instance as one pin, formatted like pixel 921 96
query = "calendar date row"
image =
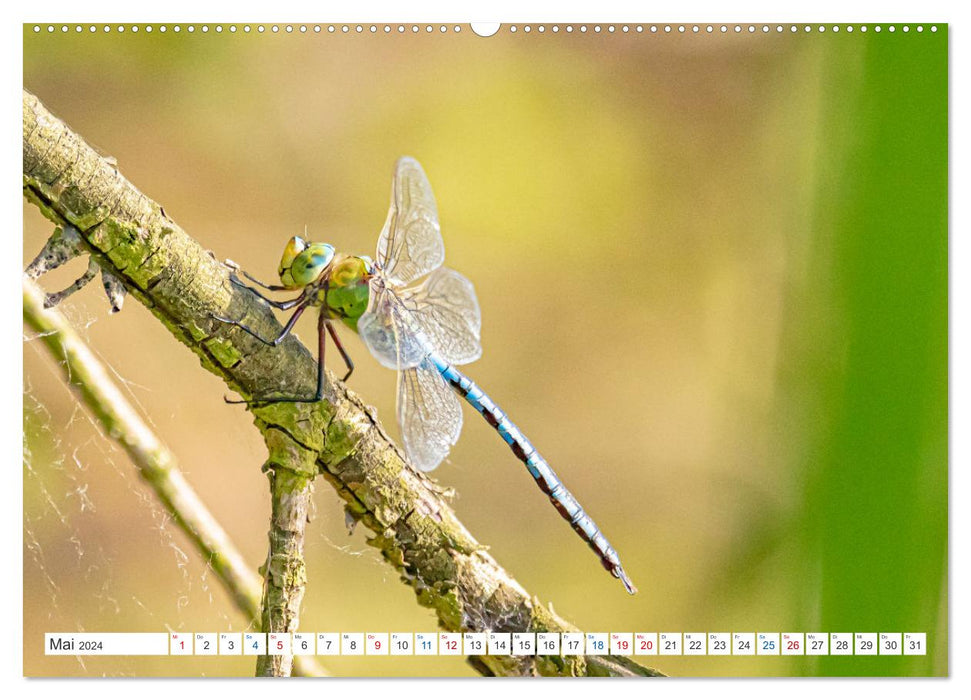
pixel 488 643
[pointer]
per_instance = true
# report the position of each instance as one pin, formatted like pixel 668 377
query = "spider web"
pixel 100 553
pixel 85 506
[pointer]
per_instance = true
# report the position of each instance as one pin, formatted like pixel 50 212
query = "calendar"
pixel 535 346
pixel 380 644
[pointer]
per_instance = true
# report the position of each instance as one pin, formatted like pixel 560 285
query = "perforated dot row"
pixel 255 28
pixel 711 29
pixel 442 28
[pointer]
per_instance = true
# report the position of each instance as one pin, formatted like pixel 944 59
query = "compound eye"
pixel 310 263
pixel 295 246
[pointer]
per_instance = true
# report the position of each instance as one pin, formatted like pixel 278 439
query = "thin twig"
pixel 155 463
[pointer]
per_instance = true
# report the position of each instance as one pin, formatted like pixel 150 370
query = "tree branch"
pixel 155 463
pixel 414 528
pixel 285 573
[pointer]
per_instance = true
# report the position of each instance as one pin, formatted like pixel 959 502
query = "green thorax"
pixel 339 283
pixel 344 294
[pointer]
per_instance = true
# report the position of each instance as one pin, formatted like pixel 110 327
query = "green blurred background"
pixel 713 279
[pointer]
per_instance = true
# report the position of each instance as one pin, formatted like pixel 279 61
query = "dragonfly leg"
pixel 276 341
pixel 288 304
pixel 321 350
pixel 340 348
pixel 271 287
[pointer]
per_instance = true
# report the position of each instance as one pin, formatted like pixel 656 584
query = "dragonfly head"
pixel 303 263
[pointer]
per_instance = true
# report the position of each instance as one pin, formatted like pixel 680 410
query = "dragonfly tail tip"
pixel 628 584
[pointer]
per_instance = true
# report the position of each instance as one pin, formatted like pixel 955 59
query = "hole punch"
pixel 485 29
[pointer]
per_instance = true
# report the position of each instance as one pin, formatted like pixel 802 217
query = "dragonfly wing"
pixel 429 415
pixel 390 332
pixel 445 307
pixel 410 244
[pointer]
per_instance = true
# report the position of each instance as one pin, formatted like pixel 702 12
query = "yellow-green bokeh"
pixel 713 279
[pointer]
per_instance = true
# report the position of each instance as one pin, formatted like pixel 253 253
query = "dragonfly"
pixel 422 320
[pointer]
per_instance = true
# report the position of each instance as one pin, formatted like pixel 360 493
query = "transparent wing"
pixel 410 244
pixel 390 331
pixel 429 415
pixel 445 307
